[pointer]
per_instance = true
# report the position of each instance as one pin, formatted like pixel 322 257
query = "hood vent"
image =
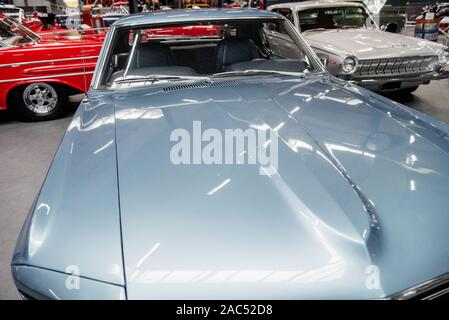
pixel 203 84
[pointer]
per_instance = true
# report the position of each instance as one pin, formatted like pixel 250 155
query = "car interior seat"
pixel 153 54
pixel 234 50
pixel 150 58
pixel 326 21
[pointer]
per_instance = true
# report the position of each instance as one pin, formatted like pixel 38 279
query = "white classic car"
pixel 351 45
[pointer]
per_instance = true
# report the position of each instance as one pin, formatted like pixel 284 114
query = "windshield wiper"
pixel 350 26
pixel 257 72
pixel 157 77
pixel 316 29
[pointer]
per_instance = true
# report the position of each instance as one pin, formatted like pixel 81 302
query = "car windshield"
pixel 10 12
pixel 199 50
pixel 13 33
pixel 334 18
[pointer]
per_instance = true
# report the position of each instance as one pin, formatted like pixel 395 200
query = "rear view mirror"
pixel 323 61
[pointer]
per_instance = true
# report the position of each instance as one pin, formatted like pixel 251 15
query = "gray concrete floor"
pixel 26 150
pixel 432 99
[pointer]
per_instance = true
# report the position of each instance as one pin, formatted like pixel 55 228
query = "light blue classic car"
pixel 214 158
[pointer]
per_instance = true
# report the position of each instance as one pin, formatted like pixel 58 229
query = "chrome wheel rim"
pixel 40 98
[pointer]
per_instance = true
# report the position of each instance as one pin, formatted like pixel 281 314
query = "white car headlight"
pixel 349 65
pixel 443 57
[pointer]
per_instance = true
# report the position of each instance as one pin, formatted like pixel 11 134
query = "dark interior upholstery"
pixel 200 57
pixel 234 50
pixel 326 21
pixel 153 54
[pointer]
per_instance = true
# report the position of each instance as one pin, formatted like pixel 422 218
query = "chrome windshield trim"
pixel 193 19
pixel 104 54
pixel 29 33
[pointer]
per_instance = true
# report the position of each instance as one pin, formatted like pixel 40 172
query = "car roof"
pixel 180 15
pixel 316 4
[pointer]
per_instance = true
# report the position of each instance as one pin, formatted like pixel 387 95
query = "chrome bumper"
pixel 436 288
pixel 393 82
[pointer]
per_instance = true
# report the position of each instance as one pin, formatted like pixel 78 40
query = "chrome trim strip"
pixel 395 77
pixel 45 61
pixel 395 66
pixel 148 22
pixel 422 288
pixel 437 294
pixel 46 77
pixel 104 53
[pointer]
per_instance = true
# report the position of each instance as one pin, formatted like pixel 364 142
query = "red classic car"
pixel 38 73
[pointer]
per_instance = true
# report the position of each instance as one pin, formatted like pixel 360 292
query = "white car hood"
pixel 369 43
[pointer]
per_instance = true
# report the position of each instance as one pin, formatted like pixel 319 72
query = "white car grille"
pixel 393 66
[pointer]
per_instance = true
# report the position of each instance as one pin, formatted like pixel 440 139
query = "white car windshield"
pixel 13 33
pixel 196 50
pixel 334 18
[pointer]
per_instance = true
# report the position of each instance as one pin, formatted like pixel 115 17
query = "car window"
pixel 205 48
pixel 333 18
pixel 10 28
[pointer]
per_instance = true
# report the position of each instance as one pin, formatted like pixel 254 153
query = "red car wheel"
pixel 41 101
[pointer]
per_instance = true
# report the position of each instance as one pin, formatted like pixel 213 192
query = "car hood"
pixel 369 43
pixel 74 224
pixel 356 209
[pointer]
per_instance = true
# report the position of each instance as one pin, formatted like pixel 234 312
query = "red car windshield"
pixel 13 33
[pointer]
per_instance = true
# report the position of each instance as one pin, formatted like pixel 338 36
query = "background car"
pixel 37 73
pixel 353 48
